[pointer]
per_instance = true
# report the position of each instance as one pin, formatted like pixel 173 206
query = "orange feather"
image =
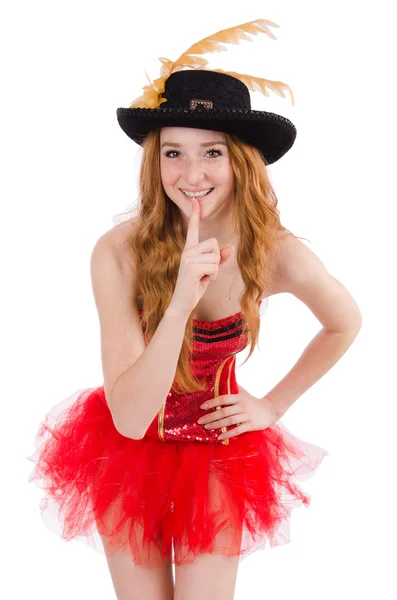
pixel 212 43
pixel 232 35
pixel 258 84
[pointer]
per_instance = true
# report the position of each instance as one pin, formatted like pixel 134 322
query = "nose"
pixel 193 173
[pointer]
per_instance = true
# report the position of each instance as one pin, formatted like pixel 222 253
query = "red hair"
pixel 159 239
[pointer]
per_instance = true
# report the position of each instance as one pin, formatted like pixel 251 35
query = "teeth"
pixel 196 194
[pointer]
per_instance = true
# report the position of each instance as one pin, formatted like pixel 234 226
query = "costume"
pixel 167 477
pixel 231 497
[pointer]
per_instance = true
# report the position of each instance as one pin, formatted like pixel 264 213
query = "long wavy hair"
pixel 158 240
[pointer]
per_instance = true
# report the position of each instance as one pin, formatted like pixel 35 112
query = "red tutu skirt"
pixel 182 499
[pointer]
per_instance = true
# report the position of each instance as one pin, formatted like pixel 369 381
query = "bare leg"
pixel 209 576
pixel 152 579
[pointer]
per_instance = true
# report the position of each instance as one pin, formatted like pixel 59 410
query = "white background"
pixel 67 169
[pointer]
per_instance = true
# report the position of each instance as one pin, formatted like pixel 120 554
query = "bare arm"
pixel 136 379
pixel 141 390
pixel 302 274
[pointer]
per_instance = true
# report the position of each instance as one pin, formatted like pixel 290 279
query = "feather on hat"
pixel 213 43
pixel 230 107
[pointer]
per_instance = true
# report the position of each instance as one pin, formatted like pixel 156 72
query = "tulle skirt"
pixel 174 500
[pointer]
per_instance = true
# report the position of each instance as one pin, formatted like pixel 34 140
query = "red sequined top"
pixel 215 345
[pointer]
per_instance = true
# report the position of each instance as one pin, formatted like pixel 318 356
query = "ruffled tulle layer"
pixel 172 500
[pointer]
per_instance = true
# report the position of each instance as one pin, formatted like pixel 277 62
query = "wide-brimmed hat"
pixel 211 99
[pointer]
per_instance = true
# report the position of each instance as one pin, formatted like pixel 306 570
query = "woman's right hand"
pixel 198 266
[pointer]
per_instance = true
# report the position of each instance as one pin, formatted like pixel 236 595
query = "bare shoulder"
pixel 114 243
pixel 301 272
pixel 295 263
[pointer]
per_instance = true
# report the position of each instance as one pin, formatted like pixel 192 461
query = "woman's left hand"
pixel 245 411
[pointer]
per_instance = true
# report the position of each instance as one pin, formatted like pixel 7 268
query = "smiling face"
pixel 197 160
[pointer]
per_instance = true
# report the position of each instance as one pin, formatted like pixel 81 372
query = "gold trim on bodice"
pixel 216 393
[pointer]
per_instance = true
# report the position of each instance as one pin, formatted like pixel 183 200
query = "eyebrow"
pixel 175 145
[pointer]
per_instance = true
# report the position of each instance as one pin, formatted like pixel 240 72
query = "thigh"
pixel 150 578
pixel 210 575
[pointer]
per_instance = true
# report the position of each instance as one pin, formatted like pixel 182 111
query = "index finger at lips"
pixel 192 235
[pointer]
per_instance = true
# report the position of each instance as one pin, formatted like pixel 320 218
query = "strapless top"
pixel 221 337
pixel 214 349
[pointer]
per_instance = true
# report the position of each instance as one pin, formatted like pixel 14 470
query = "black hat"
pixel 210 99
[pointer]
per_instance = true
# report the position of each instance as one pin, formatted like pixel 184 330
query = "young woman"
pixel 170 461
